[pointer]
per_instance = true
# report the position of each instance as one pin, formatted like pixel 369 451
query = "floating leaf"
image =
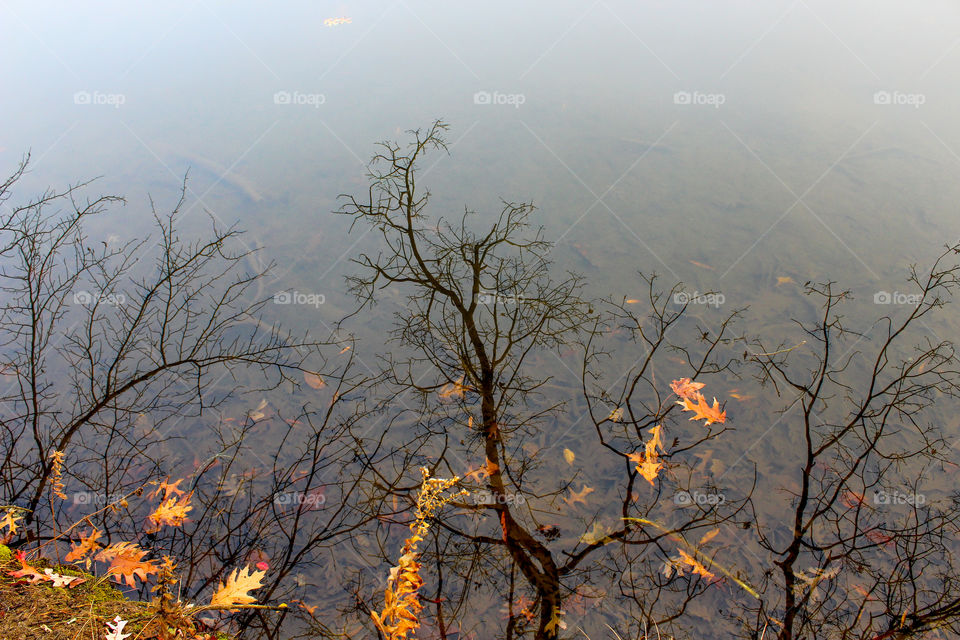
pixel 234 590
pixel 684 388
pixel 569 456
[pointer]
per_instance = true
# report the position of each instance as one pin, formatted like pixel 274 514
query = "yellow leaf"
pixel 569 456
pixel 9 520
pixel 234 590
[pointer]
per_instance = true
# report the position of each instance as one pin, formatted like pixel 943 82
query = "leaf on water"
pixel 695 566
pixel 88 544
pixel 616 415
pixel 569 456
pixel 703 411
pixel 648 463
pixel 684 388
pixel 170 513
pixel 126 564
pixel 234 590
pixel 9 520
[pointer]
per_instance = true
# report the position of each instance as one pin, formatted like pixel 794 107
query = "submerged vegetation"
pixel 593 482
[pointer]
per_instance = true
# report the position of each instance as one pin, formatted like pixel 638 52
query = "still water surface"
pixel 737 146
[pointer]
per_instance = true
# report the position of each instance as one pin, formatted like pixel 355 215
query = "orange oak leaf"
pixel 234 590
pixel 168 489
pixel 126 563
pixel 703 411
pixel 684 388
pixel 170 513
pixel 648 463
pixel 695 565
pixel 88 544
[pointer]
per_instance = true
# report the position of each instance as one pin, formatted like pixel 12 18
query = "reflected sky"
pixel 765 141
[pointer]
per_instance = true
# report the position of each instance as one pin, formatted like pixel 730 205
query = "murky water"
pixel 734 147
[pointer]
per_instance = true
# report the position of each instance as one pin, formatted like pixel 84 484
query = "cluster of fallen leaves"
pixel 692 400
pixel 648 462
pixel 125 560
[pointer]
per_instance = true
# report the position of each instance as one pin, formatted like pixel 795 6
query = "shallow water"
pixel 733 147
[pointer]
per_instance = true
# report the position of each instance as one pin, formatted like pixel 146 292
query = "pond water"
pixel 738 147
